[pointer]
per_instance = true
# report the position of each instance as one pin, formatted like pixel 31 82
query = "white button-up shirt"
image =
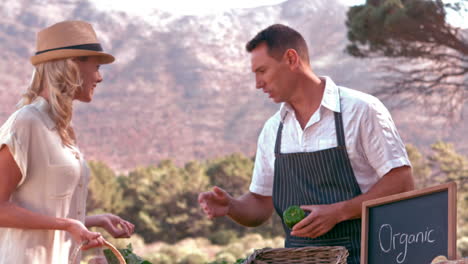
pixel 373 144
pixel 53 183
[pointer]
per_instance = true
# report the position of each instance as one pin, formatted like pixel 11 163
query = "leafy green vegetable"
pixel 239 261
pixel 293 215
pixel 127 253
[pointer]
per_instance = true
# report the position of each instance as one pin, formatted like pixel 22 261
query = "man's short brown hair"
pixel 278 39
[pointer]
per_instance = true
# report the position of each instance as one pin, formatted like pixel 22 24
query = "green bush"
pixel 193 259
pixel 170 251
pixel 462 244
pixel 236 249
pixel 224 257
pixel 136 241
pixel 160 258
pixel 253 241
pixel 218 262
pixel 223 237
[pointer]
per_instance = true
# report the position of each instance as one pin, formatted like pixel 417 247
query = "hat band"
pixel 92 46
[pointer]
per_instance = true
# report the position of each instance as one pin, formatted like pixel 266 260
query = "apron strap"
pixel 340 135
pixel 279 135
pixel 278 140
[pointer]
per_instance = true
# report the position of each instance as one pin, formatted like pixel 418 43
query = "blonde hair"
pixel 62 79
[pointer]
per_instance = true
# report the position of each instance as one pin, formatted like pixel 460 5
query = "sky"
pixel 204 7
pixel 182 7
pixel 189 7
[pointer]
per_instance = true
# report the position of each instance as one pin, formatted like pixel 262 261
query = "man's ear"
pixel 291 57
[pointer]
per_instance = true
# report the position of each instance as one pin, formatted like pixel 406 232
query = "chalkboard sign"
pixel 410 228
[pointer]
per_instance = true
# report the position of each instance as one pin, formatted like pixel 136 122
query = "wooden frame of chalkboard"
pixel 428 198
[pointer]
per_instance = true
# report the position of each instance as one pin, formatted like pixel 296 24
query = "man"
pixel 328 149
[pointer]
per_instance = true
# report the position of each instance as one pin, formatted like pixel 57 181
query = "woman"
pixel 43 176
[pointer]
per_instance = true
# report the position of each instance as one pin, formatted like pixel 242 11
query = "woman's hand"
pixel 114 225
pixel 81 234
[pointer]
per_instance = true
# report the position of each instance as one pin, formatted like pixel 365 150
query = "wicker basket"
pixel 107 244
pixel 304 255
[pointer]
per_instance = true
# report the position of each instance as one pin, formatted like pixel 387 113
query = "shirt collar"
pixel 41 104
pixel 330 99
pixel 331 95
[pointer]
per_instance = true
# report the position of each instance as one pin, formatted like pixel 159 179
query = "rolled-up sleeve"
pixel 381 142
pixel 15 134
pixel 263 172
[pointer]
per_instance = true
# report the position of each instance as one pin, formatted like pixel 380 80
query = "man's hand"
pixel 322 218
pixel 114 225
pixel 215 203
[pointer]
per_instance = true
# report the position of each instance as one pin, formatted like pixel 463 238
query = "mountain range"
pixel 181 87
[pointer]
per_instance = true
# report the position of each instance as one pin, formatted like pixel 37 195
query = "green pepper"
pixel 293 215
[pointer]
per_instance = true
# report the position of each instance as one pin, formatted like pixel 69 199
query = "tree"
pixel 105 194
pixel 164 201
pixel 231 173
pixel 422 172
pixel 422 55
pixel 449 165
pixel 443 165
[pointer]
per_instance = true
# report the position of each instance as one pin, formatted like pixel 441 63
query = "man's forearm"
pixel 251 209
pixel 92 221
pixel 396 181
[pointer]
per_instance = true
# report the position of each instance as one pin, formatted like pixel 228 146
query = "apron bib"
pixel 320 177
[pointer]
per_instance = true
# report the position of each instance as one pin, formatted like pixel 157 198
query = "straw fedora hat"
pixel 66 40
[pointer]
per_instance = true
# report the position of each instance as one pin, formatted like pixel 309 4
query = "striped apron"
pixel 313 178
